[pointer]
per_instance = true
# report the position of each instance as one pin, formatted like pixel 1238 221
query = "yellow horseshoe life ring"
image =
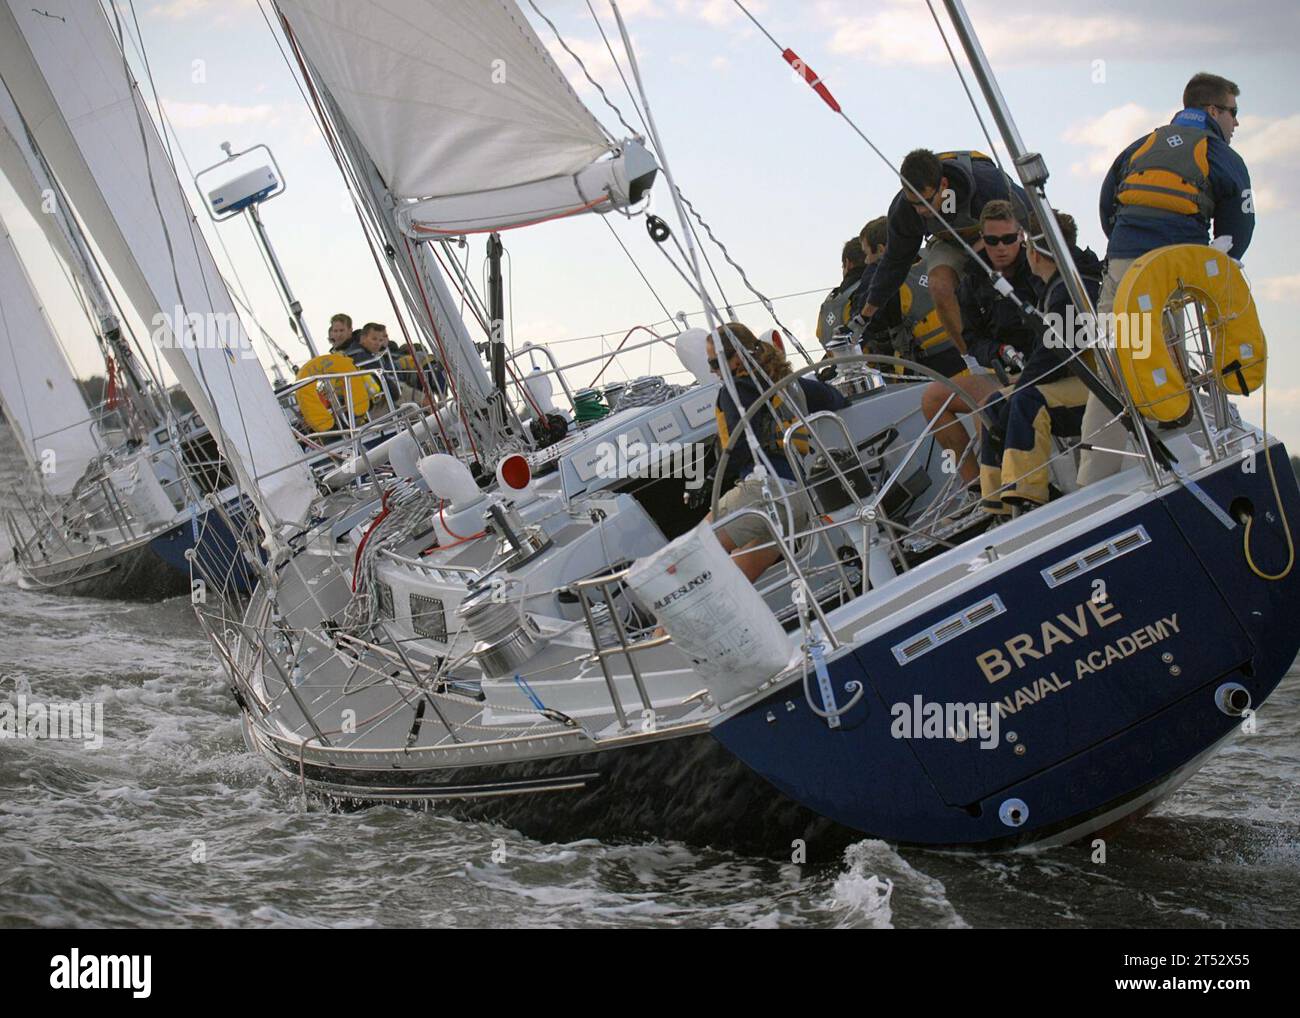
pixel 1153 375
pixel 314 407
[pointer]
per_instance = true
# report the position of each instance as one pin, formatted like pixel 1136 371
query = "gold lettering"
pixel 1095 667
pixel 1143 638
pixel 1021 647
pixel 1173 622
pixel 1112 654
pixel 1101 611
pixel 1052 636
pixel 1079 625
pixel 993 665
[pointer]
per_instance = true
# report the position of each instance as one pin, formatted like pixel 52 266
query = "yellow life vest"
pixel 1240 351
pixel 313 405
pixel 1169 172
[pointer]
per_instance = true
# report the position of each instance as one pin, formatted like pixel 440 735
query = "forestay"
pixel 66 72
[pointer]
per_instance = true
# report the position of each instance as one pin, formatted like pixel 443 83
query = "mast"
pixel 1032 169
pixel 496 312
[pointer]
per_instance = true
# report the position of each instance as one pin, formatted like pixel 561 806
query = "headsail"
pixel 42 400
pixel 66 71
pixel 468 119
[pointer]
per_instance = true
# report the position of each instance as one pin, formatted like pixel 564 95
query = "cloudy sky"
pixel 781 179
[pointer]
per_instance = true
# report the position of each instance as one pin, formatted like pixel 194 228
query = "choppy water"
pixel 172 823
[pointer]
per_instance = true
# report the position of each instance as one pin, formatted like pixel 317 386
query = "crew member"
pixel 373 351
pixel 1172 186
pixel 811 396
pixel 340 332
pixel 941 198
pixel 997 334
pixel 834 312
pixel 1047 399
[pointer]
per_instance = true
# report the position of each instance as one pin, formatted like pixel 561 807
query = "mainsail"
pixel 67 74
pixel 42 400
pixel 467 118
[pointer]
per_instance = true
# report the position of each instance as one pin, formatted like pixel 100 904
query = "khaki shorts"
pixel 748 494
pixel 945 251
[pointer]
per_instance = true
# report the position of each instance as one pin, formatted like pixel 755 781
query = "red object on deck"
pixel 810 76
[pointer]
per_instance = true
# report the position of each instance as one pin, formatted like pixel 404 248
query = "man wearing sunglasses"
pixel 1172 186
pixel 997 335
pixel 940 199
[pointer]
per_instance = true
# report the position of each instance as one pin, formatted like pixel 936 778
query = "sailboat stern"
pixel 1071 688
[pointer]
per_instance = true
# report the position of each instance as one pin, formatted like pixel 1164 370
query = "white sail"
pixel 464 113
pixel 67 74
pixel 42 400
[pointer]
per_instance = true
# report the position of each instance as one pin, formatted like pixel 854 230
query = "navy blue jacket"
pixel 988 319
pixel 819 395
pixel 1046 363
pixel 907 230
pixel 1134 234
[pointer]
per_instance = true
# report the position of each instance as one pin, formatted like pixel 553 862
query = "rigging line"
pixel 622 120
pixel 353 187
pixel 617 66
pixel 609 360
pixel 731 313
pixel 349 183
pixel 762 299
pixel 583 67
pixel 950 233
pixel 711 311
pixel 966 88
pixel 649 287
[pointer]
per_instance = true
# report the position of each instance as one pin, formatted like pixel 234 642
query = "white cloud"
pixel 903 32
pixel 720 64
pixel 1278 287
pixel 1107 135
pixel 1017 31
pixel 1266 142
pixel 718 13
pixel 197 115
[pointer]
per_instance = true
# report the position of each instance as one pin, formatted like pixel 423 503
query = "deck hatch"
pixel 948 629
pixel 1091 558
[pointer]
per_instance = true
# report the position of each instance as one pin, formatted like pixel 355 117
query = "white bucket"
pixel 714 615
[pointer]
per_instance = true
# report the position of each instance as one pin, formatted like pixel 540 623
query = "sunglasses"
pixel 994 239
pixel 1232 110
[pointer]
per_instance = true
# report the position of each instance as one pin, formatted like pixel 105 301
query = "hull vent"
pixel 1091 558
pixel 948 629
